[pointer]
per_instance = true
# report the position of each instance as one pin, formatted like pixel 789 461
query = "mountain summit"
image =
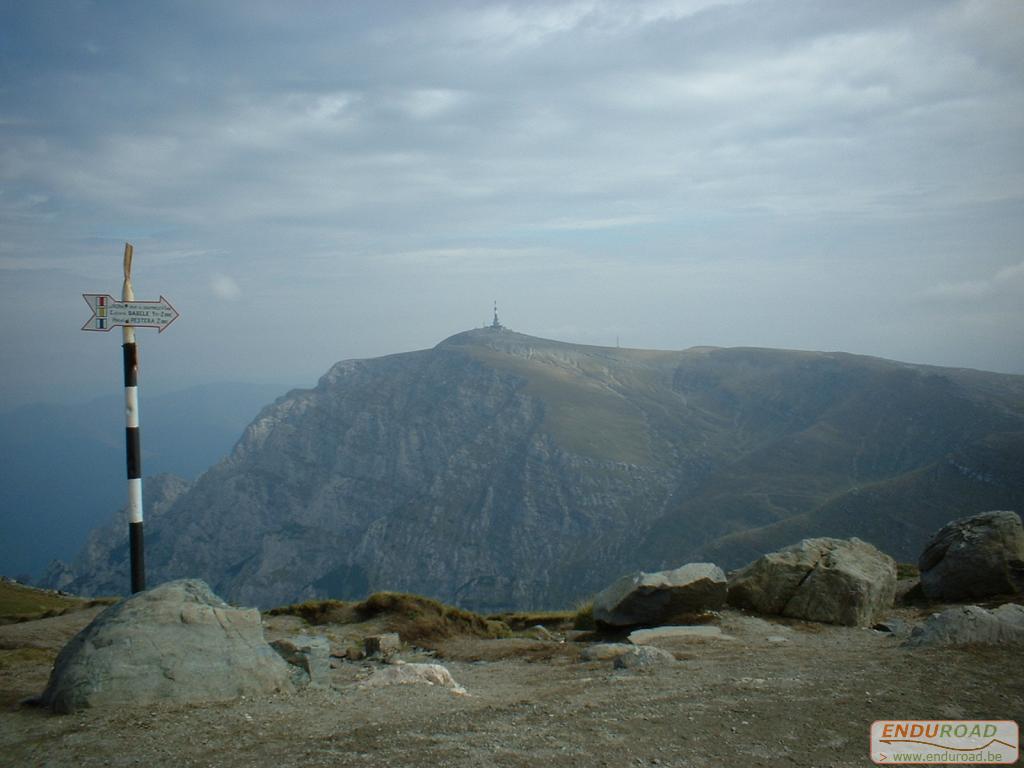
pixel 499 470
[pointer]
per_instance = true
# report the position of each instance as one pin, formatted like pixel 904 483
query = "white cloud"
pixel 428 103
pixel 610 222
pixel 225 287
pixel 1006 281
pixel 1011 274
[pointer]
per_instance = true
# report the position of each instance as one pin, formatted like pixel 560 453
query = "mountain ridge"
pixel 499 470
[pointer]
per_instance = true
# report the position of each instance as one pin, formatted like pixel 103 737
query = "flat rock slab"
pixel 658 598
pixel 665 635
pixel 178 642
pixel 971 625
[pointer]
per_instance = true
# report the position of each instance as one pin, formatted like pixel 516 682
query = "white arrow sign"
pixel 108 313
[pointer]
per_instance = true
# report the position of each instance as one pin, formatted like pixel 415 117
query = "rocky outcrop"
pixel 971 625
pixel 976 556
pixel 834 581
pixel 178 642
pixel 660 598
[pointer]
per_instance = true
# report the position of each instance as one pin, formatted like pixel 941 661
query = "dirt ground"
pixel 778 693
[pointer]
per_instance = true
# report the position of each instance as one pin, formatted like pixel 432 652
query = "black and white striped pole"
pixel 133 445
pixel 130 314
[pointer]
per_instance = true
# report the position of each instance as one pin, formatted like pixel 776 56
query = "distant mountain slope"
pixel 499 470
pixel 63 465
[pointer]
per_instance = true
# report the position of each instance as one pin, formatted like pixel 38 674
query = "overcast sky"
pixel 308 182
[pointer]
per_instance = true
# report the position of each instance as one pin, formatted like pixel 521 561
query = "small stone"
pixel 382 646
pixel 643 657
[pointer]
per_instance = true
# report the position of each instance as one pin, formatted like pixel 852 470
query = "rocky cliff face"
pixel 499 470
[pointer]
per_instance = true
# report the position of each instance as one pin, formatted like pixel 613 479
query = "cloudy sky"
pixel 311 181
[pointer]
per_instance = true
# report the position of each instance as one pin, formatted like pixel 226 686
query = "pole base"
pixel 138 561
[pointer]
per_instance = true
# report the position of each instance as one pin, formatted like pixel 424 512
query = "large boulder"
pixel 971 625
pixel 658 598
pixel 178 642
pixel 836 581
pixel 974 557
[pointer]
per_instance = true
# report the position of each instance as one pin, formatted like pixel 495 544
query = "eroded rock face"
pixel 836 581
pixel 658 598
pixel 176 642
pixel 971 625
pixel 974 557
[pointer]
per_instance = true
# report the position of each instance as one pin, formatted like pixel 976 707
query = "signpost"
pixel 108 313
pixel 130 314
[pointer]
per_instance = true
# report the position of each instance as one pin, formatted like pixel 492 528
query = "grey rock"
pixel 383 646
pixel 970 625
pixel 976 556
pixel 312 655
pixel 836 581
pixel 896 627
pixel 177 642
pixel 658 598
pixel 413 674
pixel 643 657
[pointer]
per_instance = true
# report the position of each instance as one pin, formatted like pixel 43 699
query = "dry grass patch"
pixel 17 657
pixel 417 620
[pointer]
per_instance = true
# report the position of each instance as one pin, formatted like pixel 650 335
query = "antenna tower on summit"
pixel 496 324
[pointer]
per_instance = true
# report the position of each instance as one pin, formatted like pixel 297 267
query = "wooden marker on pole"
pixel 133 449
